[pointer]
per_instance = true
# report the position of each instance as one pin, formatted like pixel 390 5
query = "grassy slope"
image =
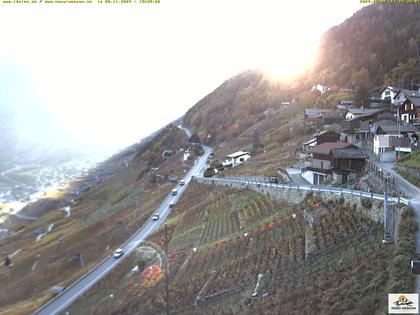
pixel 103 218
pixel 347 271
pixel 412 161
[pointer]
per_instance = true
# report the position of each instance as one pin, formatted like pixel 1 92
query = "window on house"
pixel 387 93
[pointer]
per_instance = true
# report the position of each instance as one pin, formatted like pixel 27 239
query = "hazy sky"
pixel 104 76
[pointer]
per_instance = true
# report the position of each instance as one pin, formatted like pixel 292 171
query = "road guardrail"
pixel 323 189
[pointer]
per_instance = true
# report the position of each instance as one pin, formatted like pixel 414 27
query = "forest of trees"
pixel 377 45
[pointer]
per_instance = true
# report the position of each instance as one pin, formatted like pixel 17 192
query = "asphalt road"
pixel 66 298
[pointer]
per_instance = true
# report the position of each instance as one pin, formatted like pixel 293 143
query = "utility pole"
pixel 399 134
pixel 385 212
pixel 167 270
pixel 388 217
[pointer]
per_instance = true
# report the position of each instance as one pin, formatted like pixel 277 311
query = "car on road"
pixel 118 253
pixel 182 182
pixel 171 204
pixel 273 179
pixel 155 217
pixel 174 192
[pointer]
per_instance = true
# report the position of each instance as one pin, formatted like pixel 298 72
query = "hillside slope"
pixel 235 106
pixel 378 44
pixel 78 228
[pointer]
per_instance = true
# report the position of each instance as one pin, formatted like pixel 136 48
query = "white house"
pixel 237 158
pixel 321 88
pixel 187 154
pixel 382 147
pixel 389 93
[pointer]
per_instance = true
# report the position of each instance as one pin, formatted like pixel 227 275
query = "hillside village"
pixel 349 136
pixel 384 131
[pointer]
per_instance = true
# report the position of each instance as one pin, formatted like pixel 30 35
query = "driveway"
pixel 297 178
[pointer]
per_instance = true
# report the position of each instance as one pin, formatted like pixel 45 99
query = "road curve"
pixel 67 297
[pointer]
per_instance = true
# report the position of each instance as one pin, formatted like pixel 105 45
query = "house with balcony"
pixel 403 94
pixel 346 164
pixel 320 167
pixel 409 111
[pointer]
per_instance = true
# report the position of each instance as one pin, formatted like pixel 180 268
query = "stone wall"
pixel 373 209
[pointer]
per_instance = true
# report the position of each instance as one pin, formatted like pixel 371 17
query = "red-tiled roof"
pixel 326 147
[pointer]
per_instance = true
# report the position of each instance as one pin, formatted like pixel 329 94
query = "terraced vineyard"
pixel 330 264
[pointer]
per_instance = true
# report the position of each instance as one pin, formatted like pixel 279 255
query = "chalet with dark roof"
pixel 320 166
pixel 390 127
pixel 346 163
pixel 355 132
pixel 319 138
pixel 409 111
pixel 403 94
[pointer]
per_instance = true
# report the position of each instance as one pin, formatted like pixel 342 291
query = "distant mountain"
pixel 15 149
pixel 8 136
pixel 378 44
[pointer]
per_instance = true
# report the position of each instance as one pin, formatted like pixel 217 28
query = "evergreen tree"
pixel 194 138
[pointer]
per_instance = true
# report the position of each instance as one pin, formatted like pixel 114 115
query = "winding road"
pixel 70 294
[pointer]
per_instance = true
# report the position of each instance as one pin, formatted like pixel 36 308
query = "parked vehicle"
pixel 118 253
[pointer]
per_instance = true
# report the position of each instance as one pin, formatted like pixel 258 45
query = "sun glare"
pixel 109 85
pixel 286 63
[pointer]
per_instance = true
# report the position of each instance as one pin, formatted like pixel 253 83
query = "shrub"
pixel 366 203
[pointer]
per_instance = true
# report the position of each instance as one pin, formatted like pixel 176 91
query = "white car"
pixel 155 217
pixel 182 182
pixel 118 253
